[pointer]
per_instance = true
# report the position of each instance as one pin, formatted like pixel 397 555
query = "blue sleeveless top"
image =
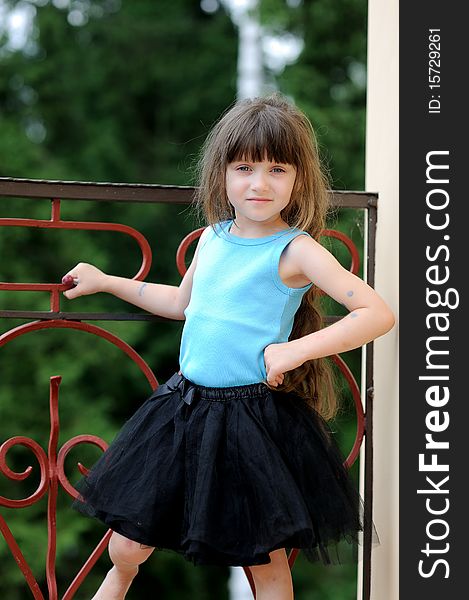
pixel 238 306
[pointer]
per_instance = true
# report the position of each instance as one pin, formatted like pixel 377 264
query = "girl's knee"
pixel 277 569
pixel 125 551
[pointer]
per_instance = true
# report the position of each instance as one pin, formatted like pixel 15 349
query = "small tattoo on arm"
pixel 141 289
pixel 350 293
pixel 353 315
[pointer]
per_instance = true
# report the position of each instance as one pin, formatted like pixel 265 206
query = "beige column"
pixel 382 176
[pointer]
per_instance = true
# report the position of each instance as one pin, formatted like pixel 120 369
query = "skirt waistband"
pixel 221 394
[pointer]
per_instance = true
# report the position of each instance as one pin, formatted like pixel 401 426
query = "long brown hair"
pixel 272 128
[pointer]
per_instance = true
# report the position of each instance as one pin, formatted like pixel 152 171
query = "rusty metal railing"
pixel 51 463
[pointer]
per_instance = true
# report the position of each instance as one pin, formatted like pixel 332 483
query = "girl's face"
pixel 259 191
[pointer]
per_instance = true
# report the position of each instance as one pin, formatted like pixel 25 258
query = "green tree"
pixel 328 81
pixel 128 94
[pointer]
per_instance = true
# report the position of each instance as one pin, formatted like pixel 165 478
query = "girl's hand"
pixel 280 358
pixel 86 279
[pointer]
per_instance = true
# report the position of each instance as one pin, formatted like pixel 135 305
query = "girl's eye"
pixel 243 168
pixel 278 170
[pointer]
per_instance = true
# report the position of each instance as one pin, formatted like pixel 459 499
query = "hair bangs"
pixel 262 138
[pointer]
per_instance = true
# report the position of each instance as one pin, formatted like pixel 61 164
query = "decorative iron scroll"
pixel 51 464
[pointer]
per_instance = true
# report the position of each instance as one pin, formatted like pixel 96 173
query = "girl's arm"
pixel 164 300
pixel 369 316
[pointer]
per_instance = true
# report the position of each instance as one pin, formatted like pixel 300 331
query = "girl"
pixel 231 461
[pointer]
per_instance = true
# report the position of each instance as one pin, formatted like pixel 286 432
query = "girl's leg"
pixel 273 581
pixel 126 555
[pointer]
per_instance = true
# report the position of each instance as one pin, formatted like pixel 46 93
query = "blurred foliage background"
pixel 126 91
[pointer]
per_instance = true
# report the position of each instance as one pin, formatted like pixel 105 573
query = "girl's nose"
pixel 259 182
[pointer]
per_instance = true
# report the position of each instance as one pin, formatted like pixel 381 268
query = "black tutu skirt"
pixel 224 476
